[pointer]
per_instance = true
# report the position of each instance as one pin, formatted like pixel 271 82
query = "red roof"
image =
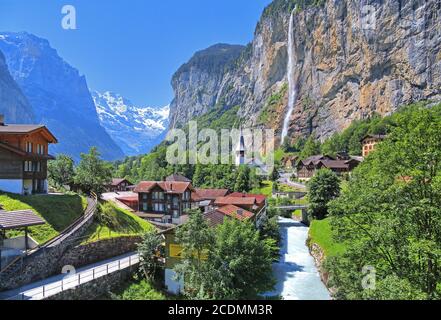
pixel 235 212
pixel 235 200
pixel 131 199
pixel 259 197
pixel 214 218
pixel 211 194
pixel 167 186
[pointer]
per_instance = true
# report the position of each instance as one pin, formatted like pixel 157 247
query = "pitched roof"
pixel 210 194
pixel 26 129
pixel 235 200
pixel 145 186
pixel 214 218
pixel 177 177
pixel 167 186
pixel 19 219
pixel 374 136
pixel 260 198
pixel 235 212
pixel 335 164
pixel 117 181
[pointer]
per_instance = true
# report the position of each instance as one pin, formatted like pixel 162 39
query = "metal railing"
pixel 88 213
pixel 72 281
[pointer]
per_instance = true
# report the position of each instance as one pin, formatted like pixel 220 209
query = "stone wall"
pixel 50 261
pixel 97 288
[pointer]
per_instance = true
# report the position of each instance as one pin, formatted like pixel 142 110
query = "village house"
pixel 164 201
pixel 369 142
pixel 24 153
pixel 119 184
pixel 342 164
pixel 290 162
pixel 204 198
pixel 231 206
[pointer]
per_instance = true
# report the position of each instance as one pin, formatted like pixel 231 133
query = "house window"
pixel 40 149
pixel 29 147
pixel 28 166
pixel 186 195
pixel 158 196
pixel 144 196
pixel 158 207
pixel 175 214
pixel 144 206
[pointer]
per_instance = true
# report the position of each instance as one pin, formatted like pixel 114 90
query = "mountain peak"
pixel 136 129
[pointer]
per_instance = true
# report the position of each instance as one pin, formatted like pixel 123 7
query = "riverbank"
pixel 296 273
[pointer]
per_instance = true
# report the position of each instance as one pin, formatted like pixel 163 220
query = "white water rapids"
pixel 291 84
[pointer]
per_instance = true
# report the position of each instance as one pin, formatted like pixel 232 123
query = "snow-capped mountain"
pixel 135 129
pixel 57 96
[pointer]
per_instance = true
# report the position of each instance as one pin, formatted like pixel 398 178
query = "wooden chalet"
pixel 307 168
pixel 24 153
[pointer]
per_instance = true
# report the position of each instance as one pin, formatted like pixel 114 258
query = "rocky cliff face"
pixel 351 58
pixel 13 104
pixel 58 94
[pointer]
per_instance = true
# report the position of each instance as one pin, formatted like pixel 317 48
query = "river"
pixel 296 273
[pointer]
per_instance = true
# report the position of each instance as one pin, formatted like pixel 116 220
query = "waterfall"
pixel 291 85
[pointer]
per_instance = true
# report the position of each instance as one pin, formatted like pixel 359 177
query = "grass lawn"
pixel 266 189
pixel 59 211
pixel 138 290
pixel 115 222
pixel 321 233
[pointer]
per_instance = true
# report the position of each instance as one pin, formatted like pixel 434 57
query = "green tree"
pixel 274 176
pixel 239 264
pixel 93 174
pixel 148 251
pixel 195 237
pixel 243 179
pixel 61 171
pixel 389 214
pixel 322 188
pixel 311 148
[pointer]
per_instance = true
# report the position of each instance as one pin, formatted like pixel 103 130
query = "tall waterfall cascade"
pixel 290 74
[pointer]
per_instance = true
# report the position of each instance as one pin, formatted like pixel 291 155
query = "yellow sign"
pixel 176 252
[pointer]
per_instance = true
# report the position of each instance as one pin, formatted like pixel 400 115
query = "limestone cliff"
pixel 351 58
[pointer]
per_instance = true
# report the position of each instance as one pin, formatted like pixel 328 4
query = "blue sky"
pixel 133 47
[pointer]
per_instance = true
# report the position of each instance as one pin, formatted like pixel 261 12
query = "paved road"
pixel 296 273
pixel 285 178
pixel 56 284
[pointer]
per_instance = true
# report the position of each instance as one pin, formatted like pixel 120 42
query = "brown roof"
pixel 167 186
pixel 235 201
pixel 235 212
pixel 19 219
pixel 335 164
pixel 214 218
pixel 117 181
pixel 260 198
pixel 177 177
pixel 210 194
pixel 26 129
pixel 374 136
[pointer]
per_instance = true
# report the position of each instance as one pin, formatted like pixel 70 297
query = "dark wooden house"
pixel 24 153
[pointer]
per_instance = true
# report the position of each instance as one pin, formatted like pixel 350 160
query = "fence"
pixel 62 237
pixel 75 280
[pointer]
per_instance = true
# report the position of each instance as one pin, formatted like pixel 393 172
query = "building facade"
pixel 164 201
pixel 369 143
pixel 24 153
